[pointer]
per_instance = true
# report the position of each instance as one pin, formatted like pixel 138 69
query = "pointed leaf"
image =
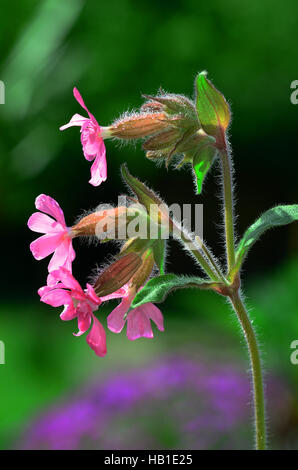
pixel 213 110
pixel 279 215
pixel 158 288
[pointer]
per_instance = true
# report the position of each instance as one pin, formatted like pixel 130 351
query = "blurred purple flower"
pixel 176 403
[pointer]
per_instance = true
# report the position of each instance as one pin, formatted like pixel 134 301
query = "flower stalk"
pixel 243 318
pixel 228 207
pixel 256 369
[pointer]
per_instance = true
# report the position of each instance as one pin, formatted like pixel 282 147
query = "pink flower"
pixel 78 304
pixel 138 319
pixel 92 142
pixel 57 238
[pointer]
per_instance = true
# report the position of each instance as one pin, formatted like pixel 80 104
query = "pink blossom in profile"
pixel 57 237
pixel 92 142
pixel 80 304
pixel 138 319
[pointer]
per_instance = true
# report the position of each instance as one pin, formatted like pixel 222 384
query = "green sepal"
pixel 145 195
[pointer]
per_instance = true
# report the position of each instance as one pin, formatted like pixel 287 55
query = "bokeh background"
pixel 55 393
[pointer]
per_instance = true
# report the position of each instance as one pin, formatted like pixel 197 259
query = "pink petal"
pixel 69 313
pixel 71 255
pixel 67 279
pixel 48 205
pixel 84 312
pixel 152 312
pixel 92 295
pixel 57 297
pixel 116 319
pixel 42 223
pixel 138 325
pixel 51 280
pixel 99 166
pixel 96 338
pixel 76 120
pixel 45 245
pixel 44 290
pixel 122 292
pixel 90 140
pixel 80 100
pixel 60 257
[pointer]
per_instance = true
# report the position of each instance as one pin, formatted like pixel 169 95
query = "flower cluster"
pixel 169 125
pixel 122 279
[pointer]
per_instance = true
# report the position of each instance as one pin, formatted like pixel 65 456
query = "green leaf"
pixel 202 161
pixel 158 288
pixel 279 215
pixel 213 110
pixel 159 253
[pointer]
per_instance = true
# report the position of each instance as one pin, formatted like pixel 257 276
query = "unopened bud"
pixel 213 110
pixel 151 106
pixel 144 271
pixel 117 274
pixel 173 104
pixel 162 140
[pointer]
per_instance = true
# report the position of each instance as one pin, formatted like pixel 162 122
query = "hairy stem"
pixel 211 260
pixel 256 368
pixel 228 207
pixel 195 248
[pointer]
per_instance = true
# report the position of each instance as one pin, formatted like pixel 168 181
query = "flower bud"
pixel 164 120
pixel 213 109
pixel 144 271
pixel 182 120
pixel 161 141
pixel 117 274
pixel 173 104
pixel 151 106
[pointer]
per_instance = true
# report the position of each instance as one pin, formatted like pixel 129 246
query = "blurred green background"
pixel 113 52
